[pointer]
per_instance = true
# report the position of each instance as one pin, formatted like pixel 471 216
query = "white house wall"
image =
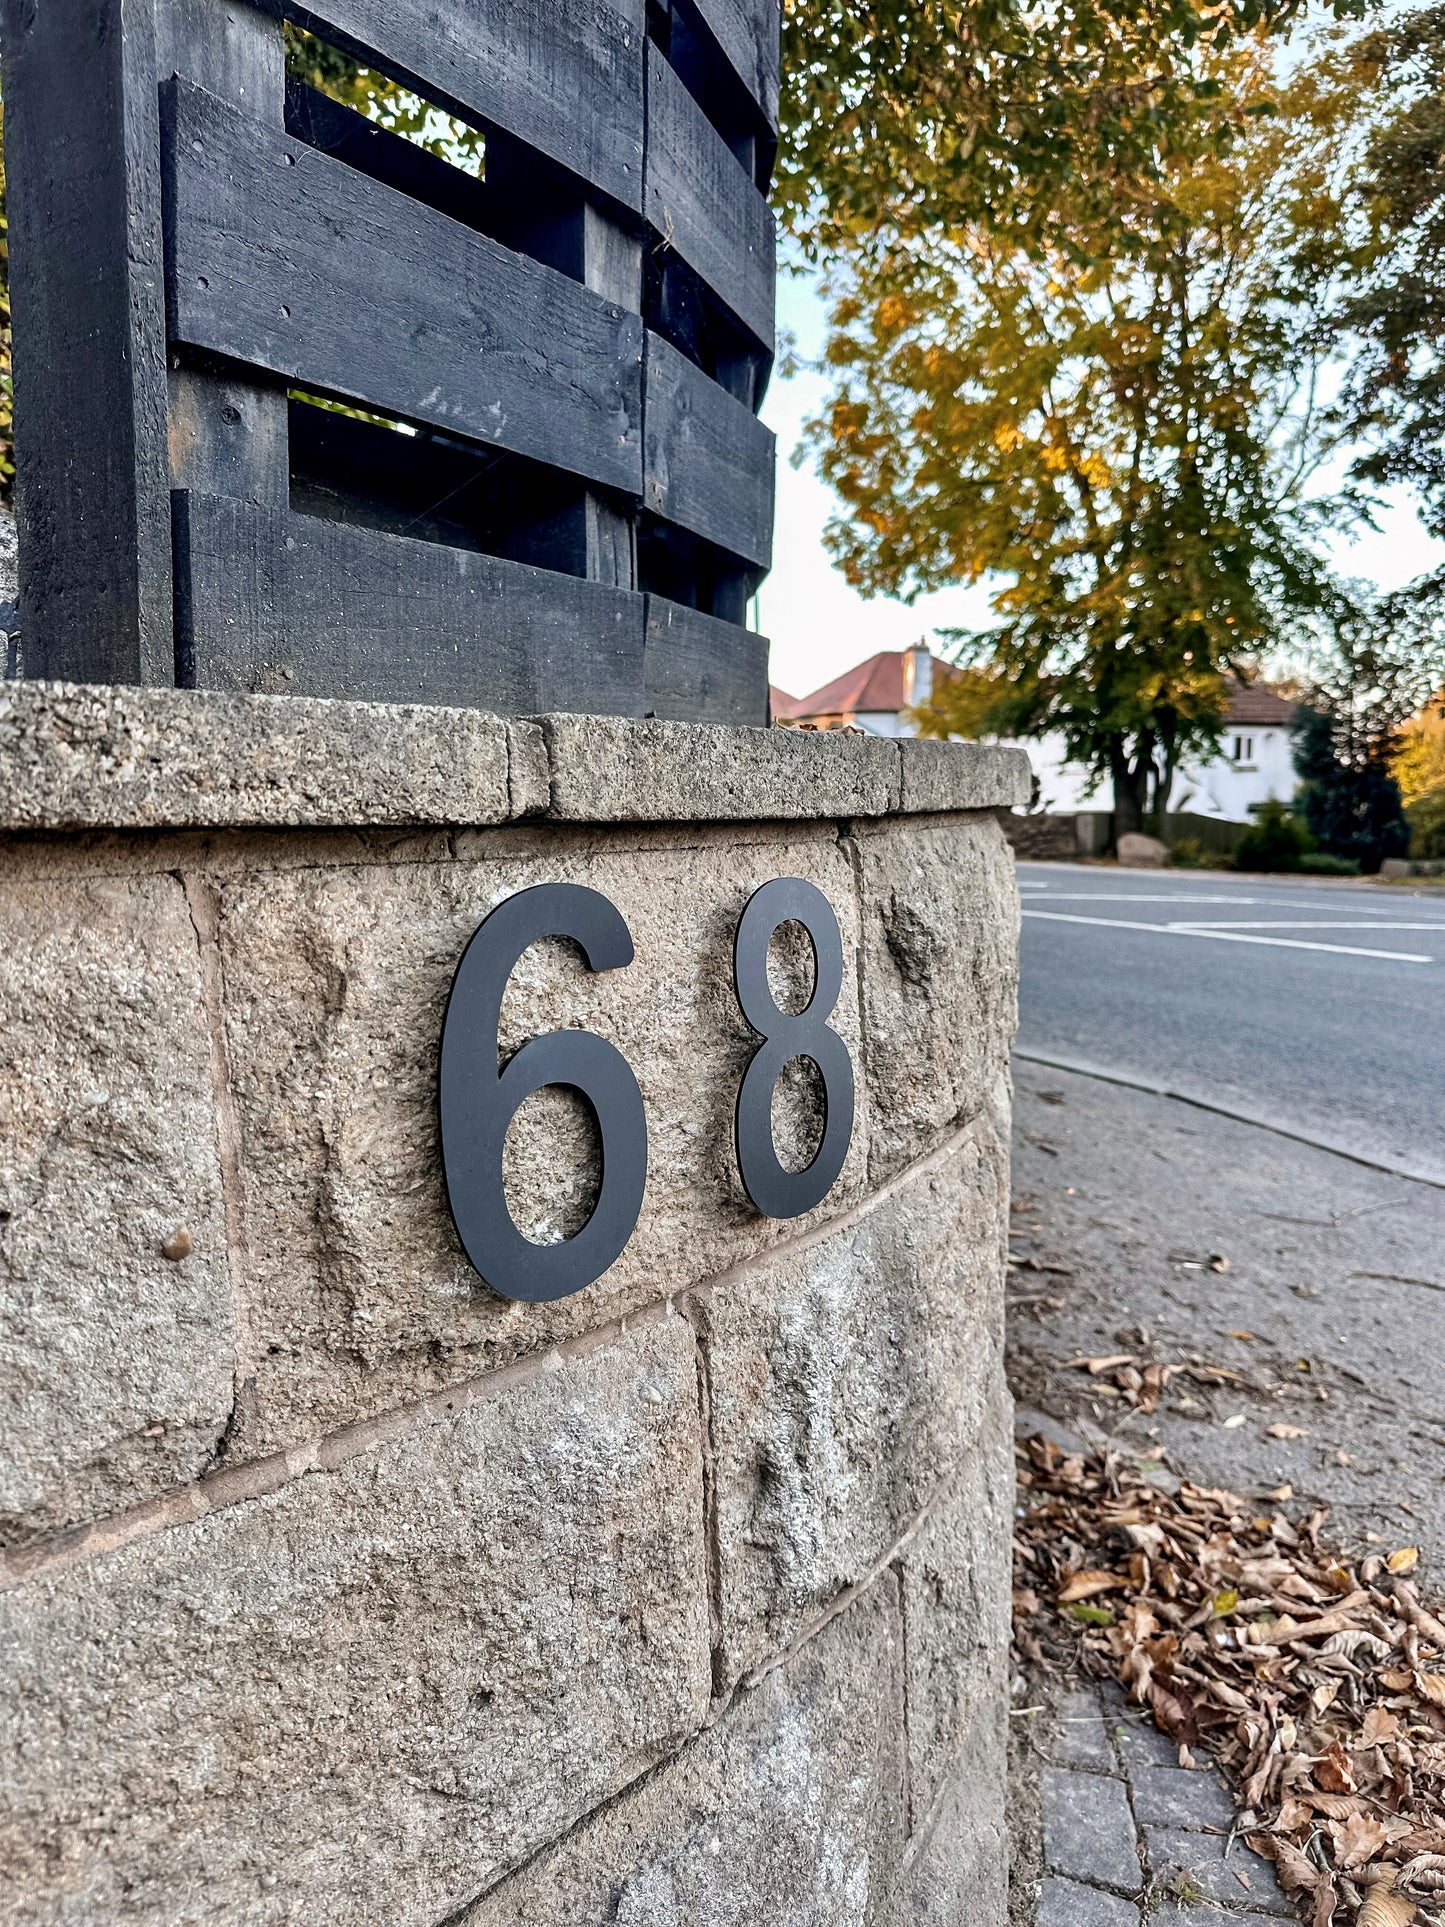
pixel 1222 787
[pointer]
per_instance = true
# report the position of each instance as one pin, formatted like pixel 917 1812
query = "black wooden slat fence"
pixel 703 204
pixel 291 261
pixel 709 460
pixel 563 76
pixel 747 37
pixel 295 604
pixel 547 486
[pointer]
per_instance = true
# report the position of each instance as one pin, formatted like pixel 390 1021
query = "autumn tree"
pixel 1396 303
pixel 1418 766
pixel 898 114
pixel 1116 414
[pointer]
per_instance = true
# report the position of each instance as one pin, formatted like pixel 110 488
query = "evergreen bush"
pixel 1276 841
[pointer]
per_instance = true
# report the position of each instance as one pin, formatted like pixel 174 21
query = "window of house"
pixel 1244 749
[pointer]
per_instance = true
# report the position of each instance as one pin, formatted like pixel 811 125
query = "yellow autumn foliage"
pixel 1419 762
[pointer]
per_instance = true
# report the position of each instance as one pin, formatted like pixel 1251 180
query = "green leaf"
pixel 1090 1615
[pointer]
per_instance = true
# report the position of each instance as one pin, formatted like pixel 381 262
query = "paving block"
pixel 1210 1918
pixel 1064 1903
pixel 1139 1740
pixel 1199 1859
pixel 1082 1739
pixel 1089 1830
pixel 1171 1796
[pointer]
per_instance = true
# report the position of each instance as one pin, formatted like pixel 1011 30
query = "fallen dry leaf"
pixel 1357 1839
pixel 1333 1770
pixel 1085 1585
pixel 1405 1560
pixel 1378 1726
pixel 1282 1431
pixel 1314 1681
pixel 1383 1908
pixel 1093 1366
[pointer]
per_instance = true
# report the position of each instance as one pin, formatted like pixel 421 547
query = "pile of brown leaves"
pixel 1316 1684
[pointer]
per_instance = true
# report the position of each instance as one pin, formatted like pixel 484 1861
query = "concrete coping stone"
pixel 79 757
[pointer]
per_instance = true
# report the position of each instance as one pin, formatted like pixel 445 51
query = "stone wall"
pixel 1040 837
pixel 334 1587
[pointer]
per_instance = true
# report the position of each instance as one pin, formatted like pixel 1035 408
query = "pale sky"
pixel 819 626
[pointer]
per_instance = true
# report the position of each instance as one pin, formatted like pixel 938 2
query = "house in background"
pixel 876 697
pixel 1256 760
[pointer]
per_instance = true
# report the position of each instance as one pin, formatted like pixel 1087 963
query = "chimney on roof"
pixel 917 675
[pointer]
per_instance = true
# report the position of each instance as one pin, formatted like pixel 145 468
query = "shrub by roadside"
pixel 1277 841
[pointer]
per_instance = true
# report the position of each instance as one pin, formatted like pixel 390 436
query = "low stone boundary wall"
pixel 334 1587
pixel 1040 837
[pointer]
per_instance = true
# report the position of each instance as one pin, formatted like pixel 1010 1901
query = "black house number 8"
pixel 478 1100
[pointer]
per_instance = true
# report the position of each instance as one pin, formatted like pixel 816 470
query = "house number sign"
pixel 478 1100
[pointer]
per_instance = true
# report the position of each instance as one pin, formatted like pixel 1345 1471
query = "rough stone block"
pixel 957 1605
pixel 953 776
pixel 1064 1903
pixel 787 1813
pixel 1089 1830
pixel 116 1364
pixel 365 1695
pixel 78 757
pixel 336 983
pixel 75 757
pixel 847 1377
pixel 1196 1862
pixel 939 968
pixel 610 770
pixel 958 1859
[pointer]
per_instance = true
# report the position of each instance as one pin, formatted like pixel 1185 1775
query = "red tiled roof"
pixel 780 703
pixel 1260 707
pixel 874 687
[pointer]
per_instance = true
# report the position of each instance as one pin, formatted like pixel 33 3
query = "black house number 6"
pixel 478 1100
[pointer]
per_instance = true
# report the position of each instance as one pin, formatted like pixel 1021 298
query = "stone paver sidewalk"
pixel 1128 1832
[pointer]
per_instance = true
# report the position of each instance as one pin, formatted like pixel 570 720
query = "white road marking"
pixel 1227 936
pixel 1251 923
pixel 1360 910
pixel 1109 896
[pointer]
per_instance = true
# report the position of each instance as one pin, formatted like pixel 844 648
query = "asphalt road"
pixel 1319 1008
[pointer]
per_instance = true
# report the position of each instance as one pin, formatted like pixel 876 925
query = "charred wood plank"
pixel 709 460
pixel 701 202
pixel 700 670
pixel 563 75
pixel 227 434
pixel 84 203
pixel 284 258
pixel 749 33
pixel 293 604
pixel 373 149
